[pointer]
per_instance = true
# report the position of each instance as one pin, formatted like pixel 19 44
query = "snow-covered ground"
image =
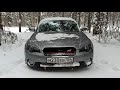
pixel 15 29
pixel 106 61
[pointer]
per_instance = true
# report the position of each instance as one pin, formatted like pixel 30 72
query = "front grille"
pixel 59 51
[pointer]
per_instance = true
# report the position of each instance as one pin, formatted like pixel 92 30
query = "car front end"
pixel 59 56
pixel 58 43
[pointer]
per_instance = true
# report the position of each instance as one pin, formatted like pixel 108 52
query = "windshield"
pixel 58 26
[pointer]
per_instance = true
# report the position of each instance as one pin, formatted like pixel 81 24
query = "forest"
pixel 104 24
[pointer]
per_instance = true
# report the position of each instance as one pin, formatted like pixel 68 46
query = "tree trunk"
pixel 98 21
pixel 85 19
pixel 73 15
pixel 20 18
pixel 79 18
pixel 62 14
pixel 89 21
pixel 54 14
pixel 39 15
pixel 32 18
pixel 1 27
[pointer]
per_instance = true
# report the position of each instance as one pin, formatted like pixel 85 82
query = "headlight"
pixel 32 48
pixel 85 48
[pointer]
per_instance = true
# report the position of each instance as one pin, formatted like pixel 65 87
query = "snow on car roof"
pixel 56 18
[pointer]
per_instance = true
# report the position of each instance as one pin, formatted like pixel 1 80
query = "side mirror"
pixel 32 29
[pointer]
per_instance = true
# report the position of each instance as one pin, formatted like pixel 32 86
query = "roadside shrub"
pixel 106 36
pixel 8 37
pixel 116 35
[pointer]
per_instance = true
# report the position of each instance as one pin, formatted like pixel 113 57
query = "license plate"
pixel 59 60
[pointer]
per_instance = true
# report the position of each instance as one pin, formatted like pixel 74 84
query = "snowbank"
pixel 15 29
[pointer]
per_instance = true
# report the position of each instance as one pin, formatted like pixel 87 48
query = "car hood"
pixel 51 39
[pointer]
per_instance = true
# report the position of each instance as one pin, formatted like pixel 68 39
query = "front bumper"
pixel 41 58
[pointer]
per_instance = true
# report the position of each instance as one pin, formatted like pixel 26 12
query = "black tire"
pixel 83 64
pixel 36 65
pixel 91 61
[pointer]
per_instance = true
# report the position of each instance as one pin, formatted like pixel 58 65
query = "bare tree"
pixel 54 14
pixel 96 27
pixel 1 27
pixel 89 21
pixel 20 18
pixel 39 15
pixel 79 13
pixel 98 24
pixel 62 14
pixel 85 19
pixel 74 15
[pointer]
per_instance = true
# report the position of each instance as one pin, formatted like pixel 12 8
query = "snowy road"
pixel 106 62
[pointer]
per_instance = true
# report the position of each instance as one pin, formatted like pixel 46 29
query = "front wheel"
pixel 83 64
pixel 32 65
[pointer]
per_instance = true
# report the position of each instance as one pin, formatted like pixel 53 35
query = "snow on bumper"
pixel 62 65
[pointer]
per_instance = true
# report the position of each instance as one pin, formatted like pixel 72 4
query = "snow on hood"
pixel 49 37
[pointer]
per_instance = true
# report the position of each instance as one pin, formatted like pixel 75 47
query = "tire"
pixel 35 65
pixel 83 64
